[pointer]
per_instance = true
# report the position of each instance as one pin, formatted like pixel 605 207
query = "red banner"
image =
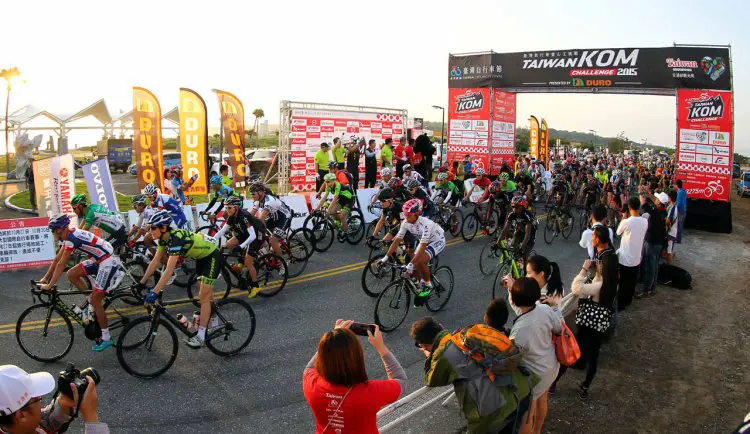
pixel 469 125
pixel 503 129
pixel 704 149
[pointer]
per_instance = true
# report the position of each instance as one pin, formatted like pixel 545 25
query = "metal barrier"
pixel 394 414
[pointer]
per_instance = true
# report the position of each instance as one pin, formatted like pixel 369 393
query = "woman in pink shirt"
pixel 336 386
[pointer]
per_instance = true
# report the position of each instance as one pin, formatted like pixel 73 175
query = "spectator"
pixel 632 229
pixel 487 407
pixel 681 209
pixel 458 174
pixel 654 213
pixel 371 164
pixel 338 153
pixel 602 291
pixel 531 332
pixel 468 167
pixel 598 215
pixel 386 153
pixel 352 161
pixel 496 315
pixel 321 164
pixel 336 386
pixel 179 186
pixel 403 154
pixel 673 217
pixel 29 175
pixel 423 150
pixel 225 179
pixel 21 408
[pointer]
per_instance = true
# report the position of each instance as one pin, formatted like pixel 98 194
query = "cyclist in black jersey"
pixel 415 190
pixel 524 236
pixel 591 192
pixel 247 232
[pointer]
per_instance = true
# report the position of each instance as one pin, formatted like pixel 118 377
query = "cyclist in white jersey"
pixel 141 228
pixel 431 242
pixel 276 215
pixel 101 263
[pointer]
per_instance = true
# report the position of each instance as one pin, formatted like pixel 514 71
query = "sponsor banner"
pixel 544 142
pixel 194 140
pixel 581 69
pixel 26 243
pixel 503 129
pixel 704 154
pixel 534 137
pixel 469 126
pixel 99 184
pixel 54 180
pixel 233 124
pixel 147 141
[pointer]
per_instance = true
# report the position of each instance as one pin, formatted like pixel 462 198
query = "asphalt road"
pixel 259 390
pixel 125 183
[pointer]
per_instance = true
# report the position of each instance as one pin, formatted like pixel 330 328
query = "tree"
pixel 740 159
pixel 522 140
pixel 258 113
pixel 616 145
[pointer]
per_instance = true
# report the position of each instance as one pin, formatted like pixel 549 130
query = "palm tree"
pixel 258 113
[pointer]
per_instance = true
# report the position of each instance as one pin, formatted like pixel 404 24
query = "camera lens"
pixel 91 372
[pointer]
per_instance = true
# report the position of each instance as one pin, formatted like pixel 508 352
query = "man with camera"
pixel 21 394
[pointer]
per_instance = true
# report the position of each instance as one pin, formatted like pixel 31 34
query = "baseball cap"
pixel 663 197
pixel 17 387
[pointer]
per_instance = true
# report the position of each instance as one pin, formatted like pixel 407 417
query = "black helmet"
pixel 386 194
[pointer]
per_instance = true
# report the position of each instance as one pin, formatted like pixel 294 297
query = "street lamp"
pixel 8 74
pixel 594 133
pixel 442 130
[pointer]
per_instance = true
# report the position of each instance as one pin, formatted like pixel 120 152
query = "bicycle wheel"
pixel 356 232
pixel 273 273
pixel 295 254
pixel 44 333
pixel 120 309
pixel 583 218
pixel 235 330
pixel 370 232
pixel 324 234
pixel 493 222
pixel 374 278
pixel 470 227
pixel 488 257
pixel 392 306
pixel 147 348
pixel 183 274
pixel 306 237
pixel 498 290
pixel 442 288
pixel 550 233
pixel 456 227
pixel 311 221
pixel 567 224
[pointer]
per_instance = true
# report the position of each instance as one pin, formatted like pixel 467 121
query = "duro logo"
pixel 705 108
pixel 470 102
pixel 579 82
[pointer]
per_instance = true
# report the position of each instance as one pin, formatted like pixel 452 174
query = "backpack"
pixel 490 348
pixel 674 276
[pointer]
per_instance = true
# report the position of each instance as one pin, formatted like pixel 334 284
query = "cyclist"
pixel 165 202
pixel 525 183
pixel 524 234
pixel 392 207
pixel 417 192
pixel 342 175
pixel 562 187
pixel 176 244
pixel 275 213
pixel 110 223
pixel 445 191
pixel 221 192
pixel 101 263
pixel 410 173
pixel 247 232
pixel 431 242
pixel 385 175
pixel 141 228
pixel 481 182
pixel 601 175
pixel 591 192
pixel 342 195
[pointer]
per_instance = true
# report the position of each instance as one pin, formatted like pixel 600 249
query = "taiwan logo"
pixel 470 102
pixel 713 68
pixel 705 108
pixel 455 71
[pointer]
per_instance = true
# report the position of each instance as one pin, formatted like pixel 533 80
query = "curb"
pixel 18 208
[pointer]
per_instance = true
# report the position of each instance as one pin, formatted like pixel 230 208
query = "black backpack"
pixel 675 277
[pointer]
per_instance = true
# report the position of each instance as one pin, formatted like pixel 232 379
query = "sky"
pixel 384 54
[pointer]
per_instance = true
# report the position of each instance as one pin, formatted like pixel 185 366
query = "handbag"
pixel 336 412
pixel 593 315
pixel 566 346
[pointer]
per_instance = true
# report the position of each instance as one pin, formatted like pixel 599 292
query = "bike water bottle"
pixel 238 267
pixel 77 310
pixel 214 321
pixel 182 320
pixel 196 320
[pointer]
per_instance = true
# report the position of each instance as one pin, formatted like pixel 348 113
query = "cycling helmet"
pixel 593 181
pixel 386 171
pixel 139 199
pixel 150 190
pixel 215 180
pixel 519 201
pixel 442 176
pixel 502 177
pixel 233 201
pixel 412 207
pixel 260 187
pixel 329 177
pixel 481 172
pixel 411 183
pixel 385 194
pixel 58 221
pixel 173 169
pixel 79 199
pixel 407 167
pixel 395 182
pixel 332 165
pixel 160 218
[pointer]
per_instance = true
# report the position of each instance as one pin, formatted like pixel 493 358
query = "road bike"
pixel 375 278
pixel 489 220
pixel 584 218
pixel 558 223
pixel 325 227
pixel 450 218
pixel 510 263
pixel 44 331
pixel 395 301
pixel 147 346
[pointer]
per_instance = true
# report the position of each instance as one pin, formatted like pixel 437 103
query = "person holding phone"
pixel 335 382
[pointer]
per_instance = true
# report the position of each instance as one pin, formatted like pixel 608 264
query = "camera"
pixel 72 377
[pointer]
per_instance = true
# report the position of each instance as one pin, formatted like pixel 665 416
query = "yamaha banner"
pixel 233 124
pixel 580 70
pixel 54 181
pixel 99 184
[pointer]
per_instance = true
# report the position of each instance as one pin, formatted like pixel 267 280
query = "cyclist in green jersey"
pixel 341 196
pixel 110 223
pixel 176 244
pixel 445 191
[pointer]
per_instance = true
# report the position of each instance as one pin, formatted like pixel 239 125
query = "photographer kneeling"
pixel 21 408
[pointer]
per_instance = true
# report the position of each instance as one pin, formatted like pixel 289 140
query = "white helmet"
pixel 150 190
pixel 386 171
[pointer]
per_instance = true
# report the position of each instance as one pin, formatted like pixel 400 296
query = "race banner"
pixel 544 142
pixel 233 124
pixel 25 243
pixel 534 137
pixel 99 184
pixel 705 143
pixel 194 140
pixel 580 70
pixel 468 126
pixel 54 181
pixel 147 135
pixel 503 129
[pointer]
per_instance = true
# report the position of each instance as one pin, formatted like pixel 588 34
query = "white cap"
pixel 663 197
pixel 17 387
